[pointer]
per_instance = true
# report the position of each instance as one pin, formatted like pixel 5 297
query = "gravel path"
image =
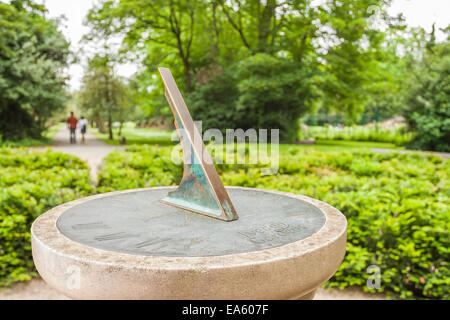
pixel 93 151
pixel 37 289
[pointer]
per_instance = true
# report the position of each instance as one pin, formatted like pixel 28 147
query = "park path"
pixel 93 151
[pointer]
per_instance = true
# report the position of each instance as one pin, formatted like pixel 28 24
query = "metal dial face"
pixel 136 223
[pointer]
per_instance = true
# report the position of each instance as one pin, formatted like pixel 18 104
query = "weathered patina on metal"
pixel 201 189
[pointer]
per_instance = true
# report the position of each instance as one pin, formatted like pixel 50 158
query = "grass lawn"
pixel 50 132
pixel 397 135
pixel 355 144
pixel 163 137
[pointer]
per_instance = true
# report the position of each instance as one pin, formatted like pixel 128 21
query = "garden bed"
pixel 32 183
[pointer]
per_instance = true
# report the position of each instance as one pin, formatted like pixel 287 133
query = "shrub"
pixel 33 55
pixel 214 103
pixel 398 135
pixel 397 206
pixel 32 183
pixel 138 167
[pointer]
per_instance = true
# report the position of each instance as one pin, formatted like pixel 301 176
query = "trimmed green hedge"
pixel 397 206
pixel 398 136
pixel 32 183
pixel 139 167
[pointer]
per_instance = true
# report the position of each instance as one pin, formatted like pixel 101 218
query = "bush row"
pixel 397 136
pixel 397 206
pixel 32 183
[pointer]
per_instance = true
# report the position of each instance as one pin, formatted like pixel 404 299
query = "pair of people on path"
pixel 72 123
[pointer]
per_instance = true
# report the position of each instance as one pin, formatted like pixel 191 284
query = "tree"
pixel 393 74
pixel 262 92
pixel 33 55
pixel 354 54
pixel 192 37
pixel 103 94
pixel 332 42
pixel 258 23
pixel 158 29
pixel 149 102
pixel 427 107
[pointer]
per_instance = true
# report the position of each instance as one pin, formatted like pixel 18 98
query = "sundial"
pixel 199 240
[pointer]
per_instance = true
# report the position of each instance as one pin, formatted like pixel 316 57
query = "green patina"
pixel 195 193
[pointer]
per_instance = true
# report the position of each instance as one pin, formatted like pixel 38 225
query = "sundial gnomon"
pixel 201 189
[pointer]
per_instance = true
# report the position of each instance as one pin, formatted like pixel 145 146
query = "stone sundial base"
pixel 127 245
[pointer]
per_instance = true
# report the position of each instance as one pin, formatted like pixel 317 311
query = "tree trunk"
pixel 120 128
pixel 101 125
pixel 265 20
pixel 187 69
pixel 110 126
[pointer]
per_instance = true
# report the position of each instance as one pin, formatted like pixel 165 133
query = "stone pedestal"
pixel 127 245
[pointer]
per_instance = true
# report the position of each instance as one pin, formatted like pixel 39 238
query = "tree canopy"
pixel 333 42
pixel 427 107
pixel 104 96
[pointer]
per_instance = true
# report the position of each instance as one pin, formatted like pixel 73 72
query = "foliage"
pixel 45 140
pixel 352 58
pixel 150 105
pixel 139 167
pixel 168 27
pixel 26 142
pixel 356 54
pixel 428 106
pixel 397 206
pixel 329 43
pixel 32 183
pixel 33 54
pixel 138 136
pixel 396 135
pixel 214 103
pixel 263 92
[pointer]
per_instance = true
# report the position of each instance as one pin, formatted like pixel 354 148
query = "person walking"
pixel 72 125
pixel 83 125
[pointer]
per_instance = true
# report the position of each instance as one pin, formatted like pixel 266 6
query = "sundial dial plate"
pixel 136 223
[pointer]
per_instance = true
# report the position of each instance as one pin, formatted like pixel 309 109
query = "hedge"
pixel 32 183
pixel 397 206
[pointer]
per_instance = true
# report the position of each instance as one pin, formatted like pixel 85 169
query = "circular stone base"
pixel 127 245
